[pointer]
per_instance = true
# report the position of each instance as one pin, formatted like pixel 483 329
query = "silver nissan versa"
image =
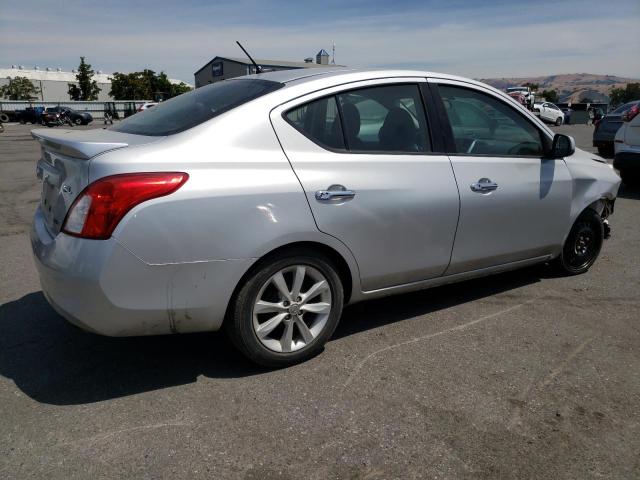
pixel 264 204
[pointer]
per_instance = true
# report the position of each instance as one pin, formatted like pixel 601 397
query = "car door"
pixel 364 156
pixel 515 204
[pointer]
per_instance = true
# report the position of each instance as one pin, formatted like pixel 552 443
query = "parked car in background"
pixel 52 115
pixel 550 112
pixel 605 129
pixel 30 115
pixel 522 95
pixel 322 190
pixel 627 146
pixel 146 106
pixel 519 98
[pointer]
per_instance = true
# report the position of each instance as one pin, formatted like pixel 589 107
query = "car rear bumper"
pixel 101 287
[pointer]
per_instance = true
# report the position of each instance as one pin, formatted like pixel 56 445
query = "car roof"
pixel 336 76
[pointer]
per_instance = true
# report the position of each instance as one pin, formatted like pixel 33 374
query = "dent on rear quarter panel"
pixel 241 194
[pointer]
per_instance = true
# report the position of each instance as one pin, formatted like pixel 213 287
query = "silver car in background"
pixel 264 204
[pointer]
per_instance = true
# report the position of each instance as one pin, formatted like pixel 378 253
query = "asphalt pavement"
pixel 520 375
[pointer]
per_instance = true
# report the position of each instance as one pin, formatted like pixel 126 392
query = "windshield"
pixel 193 108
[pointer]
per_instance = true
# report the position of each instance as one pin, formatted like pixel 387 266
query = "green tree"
pixel 145 85
pixel 19 88
pixel 179 89
pixel 87 88
pixel 551 96
pixel 532 86
pixel 128 86
pixel 618 96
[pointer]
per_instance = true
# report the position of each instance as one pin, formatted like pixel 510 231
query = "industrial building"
pixel 54 83
pixel 221 68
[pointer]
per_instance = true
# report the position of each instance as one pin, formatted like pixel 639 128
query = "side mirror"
pixel 562 146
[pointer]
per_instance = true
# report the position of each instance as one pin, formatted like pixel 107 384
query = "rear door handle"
pixel 484 185
pixel 335 192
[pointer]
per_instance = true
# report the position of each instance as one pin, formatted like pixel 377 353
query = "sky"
pixel 473 38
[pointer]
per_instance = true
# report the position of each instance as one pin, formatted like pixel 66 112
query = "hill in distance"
pixel 571 87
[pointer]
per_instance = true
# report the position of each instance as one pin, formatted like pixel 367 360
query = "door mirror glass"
pixel 563 146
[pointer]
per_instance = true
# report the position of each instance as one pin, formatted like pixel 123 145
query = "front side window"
pixel 384 119
pixel 193 108
pixel 483 125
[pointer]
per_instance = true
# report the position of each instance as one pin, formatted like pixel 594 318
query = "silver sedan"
pixel 262 205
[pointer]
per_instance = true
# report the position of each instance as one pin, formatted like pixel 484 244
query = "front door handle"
pixel 335 192
pixel 484 185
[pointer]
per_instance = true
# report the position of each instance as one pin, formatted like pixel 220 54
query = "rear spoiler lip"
pixel 73 148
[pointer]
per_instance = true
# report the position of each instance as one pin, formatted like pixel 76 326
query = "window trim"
pixel 447 131
pixel 417 82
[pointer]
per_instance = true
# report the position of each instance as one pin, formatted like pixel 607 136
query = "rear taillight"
pixel 631 113
pixel 100 207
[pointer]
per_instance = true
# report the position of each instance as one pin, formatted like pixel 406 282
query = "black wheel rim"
pixel 582 248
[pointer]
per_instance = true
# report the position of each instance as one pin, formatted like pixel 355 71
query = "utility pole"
pixel 333 54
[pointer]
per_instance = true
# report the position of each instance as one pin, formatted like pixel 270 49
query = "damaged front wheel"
pixel 582 246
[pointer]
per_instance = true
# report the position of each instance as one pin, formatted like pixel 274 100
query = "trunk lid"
pixel 63 167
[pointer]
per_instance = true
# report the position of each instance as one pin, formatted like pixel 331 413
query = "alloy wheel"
pixel 292 308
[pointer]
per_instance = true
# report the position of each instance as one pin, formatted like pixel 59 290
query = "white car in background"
pixel 549 113
pixel 146 106
pixel 627 147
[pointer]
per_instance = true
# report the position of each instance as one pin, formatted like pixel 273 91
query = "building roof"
pixel 323 53
pixel 268 63
pixel 59 76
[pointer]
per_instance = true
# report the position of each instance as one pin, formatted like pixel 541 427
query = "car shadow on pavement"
pixel 56 363
pixel 377 313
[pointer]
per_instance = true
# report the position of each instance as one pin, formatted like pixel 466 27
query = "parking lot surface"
pixel 519 375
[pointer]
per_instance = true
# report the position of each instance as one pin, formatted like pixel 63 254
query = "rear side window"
pixel 384 119
pixel 388 118
pixel 319 121
pixel 193 108
pixel 483 125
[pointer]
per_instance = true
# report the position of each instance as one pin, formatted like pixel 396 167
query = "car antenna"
pixel 258 67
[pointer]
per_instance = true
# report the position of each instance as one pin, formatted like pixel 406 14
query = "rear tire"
pixel 78 121
pixel 558 121
pixel 583 244
pixel 277 318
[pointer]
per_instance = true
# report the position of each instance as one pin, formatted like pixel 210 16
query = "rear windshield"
pixel 193 108
pixel 624 108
